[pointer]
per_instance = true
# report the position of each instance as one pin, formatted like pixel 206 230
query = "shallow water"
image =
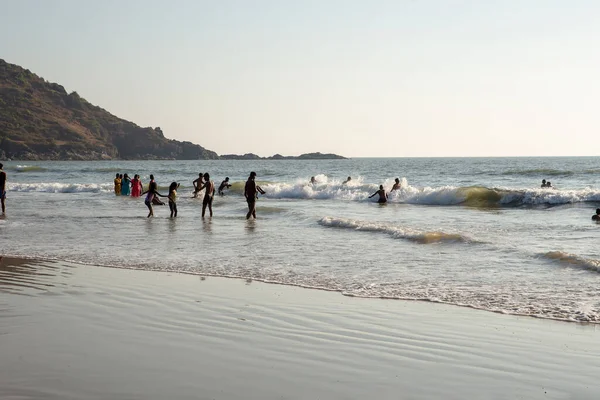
pixel 476 232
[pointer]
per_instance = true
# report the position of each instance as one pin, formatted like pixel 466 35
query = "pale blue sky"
pixel 358 78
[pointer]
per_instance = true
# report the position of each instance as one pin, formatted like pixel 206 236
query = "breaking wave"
pixel 396 232
pixel 358 190
pixel 27 168
pixel 573 260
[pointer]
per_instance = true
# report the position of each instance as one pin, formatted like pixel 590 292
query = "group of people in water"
pixel 546 184
pixel 124 186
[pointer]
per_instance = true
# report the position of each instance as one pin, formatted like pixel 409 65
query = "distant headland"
pixel 306 156
pixel 39 120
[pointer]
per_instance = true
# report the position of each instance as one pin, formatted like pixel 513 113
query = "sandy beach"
pixel 72 331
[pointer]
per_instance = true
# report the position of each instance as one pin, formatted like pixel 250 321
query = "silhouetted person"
pixel 396 186
pixel 543 183
pixel 223 185
pixel 208 194
pixel 382 195
pixel 197 184
pixel 313 180
pixel 596 217
pixel 347 180
pixel 251 191
pixel 3 189
pixel 548 184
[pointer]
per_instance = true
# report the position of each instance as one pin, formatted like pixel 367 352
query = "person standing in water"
pixel 382 195
pixel 208 194
pixel 117 185
pixel 151 194
pixel 197 185
pixel 313 181
pixel 136 186
pixel 543 183
pixel 397 185
pixel 173 198
pixel 3 189
pixel 596 217
pixel 251 191
pixel 223 185
pixel 125 185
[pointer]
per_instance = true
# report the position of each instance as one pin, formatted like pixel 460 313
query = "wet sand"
pixel 83 332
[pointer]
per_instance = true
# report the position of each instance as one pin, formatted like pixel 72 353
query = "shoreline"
pixel 71 331
pixel 24 259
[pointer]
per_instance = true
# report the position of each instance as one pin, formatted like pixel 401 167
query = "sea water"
pixel 476 232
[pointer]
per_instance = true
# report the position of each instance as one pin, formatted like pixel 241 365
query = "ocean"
pixel 473 232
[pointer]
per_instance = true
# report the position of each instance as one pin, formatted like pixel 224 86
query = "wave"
pixel 444 195
pixel 542 172
pixel 27 168
pixel 573 260
pixel 54 187
pixel 396 232
pixel 358 190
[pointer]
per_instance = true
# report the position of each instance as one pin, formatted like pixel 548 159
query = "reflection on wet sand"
pixel 19 275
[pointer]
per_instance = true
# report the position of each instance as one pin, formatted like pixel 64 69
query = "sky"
pixel 414 78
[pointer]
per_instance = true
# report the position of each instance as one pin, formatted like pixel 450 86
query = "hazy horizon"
pixel 450 78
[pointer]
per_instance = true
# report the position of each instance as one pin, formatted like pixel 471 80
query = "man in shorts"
pixel 251 191
pixel 208 194
pixel 3 189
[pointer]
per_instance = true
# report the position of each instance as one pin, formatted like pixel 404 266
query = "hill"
pixel 39 120
pixel 306 156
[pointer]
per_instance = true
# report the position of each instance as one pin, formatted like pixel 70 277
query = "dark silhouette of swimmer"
pixel 543 183
pixel 313 180
pixel 251 191
pixel 548 184
pixel 223 185
pixel 382 195
pixel 596 217
pixel 347 180
pixel 197 184
pixel 397 185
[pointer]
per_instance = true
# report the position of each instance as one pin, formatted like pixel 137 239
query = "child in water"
pixel 152 194
pixel 173 198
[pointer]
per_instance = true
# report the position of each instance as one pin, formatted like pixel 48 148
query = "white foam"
pixel 53 187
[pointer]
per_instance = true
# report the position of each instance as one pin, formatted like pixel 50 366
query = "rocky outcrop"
pixel 39 120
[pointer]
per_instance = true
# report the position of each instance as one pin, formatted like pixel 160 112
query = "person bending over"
pixel 223 185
